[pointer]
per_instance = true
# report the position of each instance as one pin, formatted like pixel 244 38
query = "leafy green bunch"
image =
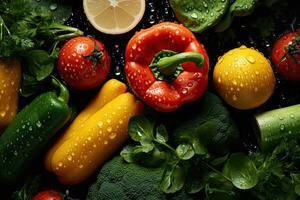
pixel 264 176
pixel 29 32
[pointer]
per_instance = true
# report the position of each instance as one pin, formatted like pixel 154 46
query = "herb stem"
pixel 2 24
pixel 165 145
pixel 213 169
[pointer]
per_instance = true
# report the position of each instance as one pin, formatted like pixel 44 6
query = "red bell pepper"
pixel 166 66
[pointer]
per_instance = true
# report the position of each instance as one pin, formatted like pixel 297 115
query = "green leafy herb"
pixel 199 15
pixel 173 177
pixel 61 10
pixel 185 151
pixel 241 171
pixel 29 189
pixel 237 8
pixel 28 31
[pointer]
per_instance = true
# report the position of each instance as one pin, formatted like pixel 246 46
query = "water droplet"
pixel 194 15
pixel 60 164
pixel 220 60
pixel 282 127
pixel 108 121
pixel 281 118
pixel 234 82
pixel 94 145
pixel 234 97
pixel 105 142
pixel 89 138
pixel 109 129
pixel 53 6
pixel 133 46
pixel 121 122
pixel 38 124
pixel 219 80
pixel 250 59
pixel 15 153
pixel 256 89
pixel 100 124
pixel 3 113
pixel 292 116
pixel 80 166
pixel 70 158
pixel 112 135
pixel 184 91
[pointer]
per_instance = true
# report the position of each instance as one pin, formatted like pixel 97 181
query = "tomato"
pixel 48 195
pixel 286 55
pixel 244 78
pixel 83 63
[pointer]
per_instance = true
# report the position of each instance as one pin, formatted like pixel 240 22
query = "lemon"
pixel 114 16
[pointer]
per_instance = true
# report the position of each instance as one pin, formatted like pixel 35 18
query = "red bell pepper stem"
pixel 168 65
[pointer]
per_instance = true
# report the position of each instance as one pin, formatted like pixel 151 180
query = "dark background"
pixel 244 30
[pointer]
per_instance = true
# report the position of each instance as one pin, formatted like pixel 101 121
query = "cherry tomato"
pixel 83 63
pixel 286 55
pixel 48 195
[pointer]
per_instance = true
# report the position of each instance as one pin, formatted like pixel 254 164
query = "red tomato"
pixel 48 195
pixel 286 57
pixel 83 63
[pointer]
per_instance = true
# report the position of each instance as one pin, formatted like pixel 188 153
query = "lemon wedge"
pixel 114 16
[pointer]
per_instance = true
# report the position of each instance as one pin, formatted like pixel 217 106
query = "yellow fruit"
pixel 244 78
pixel 114 16
pixel 10 78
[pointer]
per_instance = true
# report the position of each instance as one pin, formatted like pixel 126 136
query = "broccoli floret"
pixel 119 180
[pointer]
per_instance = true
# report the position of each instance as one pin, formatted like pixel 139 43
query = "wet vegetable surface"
pixel 244 31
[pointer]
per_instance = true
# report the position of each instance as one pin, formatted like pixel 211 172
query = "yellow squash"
pixel 10 78
pixel 97 132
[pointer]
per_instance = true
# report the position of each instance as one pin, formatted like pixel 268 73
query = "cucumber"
pixel 274 126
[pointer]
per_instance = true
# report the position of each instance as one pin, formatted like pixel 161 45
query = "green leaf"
pixel 130 153
pixel 199 15
pixel 127 154
pixel 39 63
pixel 238 8
pixel 242 171
pixel 295 178
pixel 141 129
pixel 29 85
pixel 161 134
pixel 297 189
pixel 218 187
pixel 185 151
pixel 173 178
pixel 199 148
pixel 196 179
pixel 146 148
pixel 61 10
pixel 219 160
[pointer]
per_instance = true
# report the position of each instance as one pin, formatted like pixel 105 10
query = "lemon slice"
pixel 114 16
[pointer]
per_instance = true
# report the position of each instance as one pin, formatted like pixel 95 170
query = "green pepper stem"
pixel 168 65
pixel 64 93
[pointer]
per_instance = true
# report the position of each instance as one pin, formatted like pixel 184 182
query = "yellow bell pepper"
pixel 97 132
pixel 10 78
